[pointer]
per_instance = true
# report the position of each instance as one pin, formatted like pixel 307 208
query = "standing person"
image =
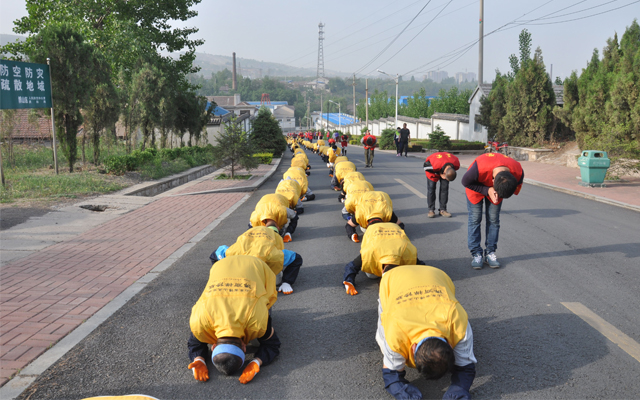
pixel 440 167
pixel 396 141
pixel 232 311
pixel 404 139
pixel 369 142
pixel 421 325
pixel 491 178
pixel 344 142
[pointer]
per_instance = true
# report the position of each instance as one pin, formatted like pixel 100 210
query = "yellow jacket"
pixel 261 242
pixel 333 154
pixel 419 301
pixel 299 162
pixel 321 142
pixel 343 169
pixel 386 243
pixel 374 204
pixel 269 210
pixel 274 198
pixel 351 177
pixel 324 150
pixel 298 174
pixel 297 151
pixel 340 159
pixel 291 190
pixel 235 302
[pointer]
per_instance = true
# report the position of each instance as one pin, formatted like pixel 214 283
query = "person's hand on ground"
pixel 249 372
pixel 350 288
pixel 200 370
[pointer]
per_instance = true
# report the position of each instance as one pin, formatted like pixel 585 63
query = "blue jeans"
pixel 492 212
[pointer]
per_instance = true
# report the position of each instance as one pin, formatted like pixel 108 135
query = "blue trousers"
pixel 492 223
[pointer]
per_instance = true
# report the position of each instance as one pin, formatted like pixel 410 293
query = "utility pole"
pixel 321 115
pixel 354 98
pixel 308 113
pixel 480 42
pixel 366 101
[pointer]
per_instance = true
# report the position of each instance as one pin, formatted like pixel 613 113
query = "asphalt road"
pixel 554 248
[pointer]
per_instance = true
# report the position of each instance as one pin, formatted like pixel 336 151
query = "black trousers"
pixel 404 146
pixel 290 272
pixel 293 224
pixel 443 194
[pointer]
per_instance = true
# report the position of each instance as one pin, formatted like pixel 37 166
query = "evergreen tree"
pixel 266 135
pixel 234 147
pixel 147 89
pixel 72 62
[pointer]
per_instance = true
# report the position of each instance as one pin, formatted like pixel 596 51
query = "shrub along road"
pixel 555 248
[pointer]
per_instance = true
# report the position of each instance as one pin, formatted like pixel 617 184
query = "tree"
pixel 266 135
pixel 146 92
pixel 72 66
pixel 492 108
pixel 418 106
pixel 234 147
pixel 103 108
pixel 439 140
pixel 452 101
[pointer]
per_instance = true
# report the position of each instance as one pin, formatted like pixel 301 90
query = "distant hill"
pixel 252 68
pixel 6 38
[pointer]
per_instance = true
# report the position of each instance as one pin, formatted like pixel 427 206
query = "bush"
pixel 386 140
pixel 264 158
pixel 355 139
pixel 115 165
pixel 438 140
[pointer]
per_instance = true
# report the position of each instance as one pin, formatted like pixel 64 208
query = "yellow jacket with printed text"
pixel 351 177
pixel 386 243
pixel 419 301
pixel 333 154
pixel 261 242
pixel 235 302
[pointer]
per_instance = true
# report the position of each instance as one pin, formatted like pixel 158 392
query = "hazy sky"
pixel 286 31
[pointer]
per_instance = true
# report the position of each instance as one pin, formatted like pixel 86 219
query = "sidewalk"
pixel 50 292
pixel 624 193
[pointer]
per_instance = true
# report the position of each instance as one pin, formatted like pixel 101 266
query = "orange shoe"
pixel 355 238
pixel 287 238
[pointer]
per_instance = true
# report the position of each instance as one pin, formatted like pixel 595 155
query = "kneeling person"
pixel 232 311
pixel 423 326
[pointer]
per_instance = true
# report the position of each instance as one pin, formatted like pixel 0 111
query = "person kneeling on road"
pixel 423 326
pixel 232 311
pixel 366 208
pixel 298 174
pixel 440 167
pixel 382 244
pixel 263 244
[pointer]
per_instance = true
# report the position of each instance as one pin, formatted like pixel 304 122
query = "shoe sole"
pixel 492 266
pixel 431 216
pixel 476 268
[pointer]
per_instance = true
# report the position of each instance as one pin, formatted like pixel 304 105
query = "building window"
pixel 476 126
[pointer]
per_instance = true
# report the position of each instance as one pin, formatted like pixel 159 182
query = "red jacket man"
pixel 369 142
pixel 440 167
pixel 491 178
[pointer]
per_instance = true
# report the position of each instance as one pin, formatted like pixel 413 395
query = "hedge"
pixel 193 156
pixel 264 158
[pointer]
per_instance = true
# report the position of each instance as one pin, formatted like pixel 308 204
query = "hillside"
pixel 253 69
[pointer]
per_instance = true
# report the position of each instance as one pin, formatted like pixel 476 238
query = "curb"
pixel 14 387
pixel 248 188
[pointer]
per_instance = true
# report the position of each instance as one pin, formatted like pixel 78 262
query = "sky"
pixel 405 37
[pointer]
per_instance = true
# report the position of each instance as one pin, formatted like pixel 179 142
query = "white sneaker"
pixel 492 260
pixel 476 263
pixel 285 288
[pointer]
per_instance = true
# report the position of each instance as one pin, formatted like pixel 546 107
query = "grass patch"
pixel 236 177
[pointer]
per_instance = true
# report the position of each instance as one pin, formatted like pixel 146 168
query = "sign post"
pixel 27 85
pixel 53 125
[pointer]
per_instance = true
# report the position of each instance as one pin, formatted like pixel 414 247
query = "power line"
pixel 396 38
pixel 417 34
pixel 586 16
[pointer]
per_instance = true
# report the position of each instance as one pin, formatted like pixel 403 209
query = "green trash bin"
pixel 593 167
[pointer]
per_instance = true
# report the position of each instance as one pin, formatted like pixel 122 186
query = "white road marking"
pixel 612 333
pixel 411 188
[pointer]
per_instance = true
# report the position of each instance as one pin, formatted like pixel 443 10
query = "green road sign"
pixel 24 85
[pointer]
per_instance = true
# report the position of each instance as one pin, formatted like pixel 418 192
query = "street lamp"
pixel 339 115
pixel 397 99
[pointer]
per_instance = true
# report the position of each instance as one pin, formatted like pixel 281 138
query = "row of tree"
pixel 601 104
pixel 115 60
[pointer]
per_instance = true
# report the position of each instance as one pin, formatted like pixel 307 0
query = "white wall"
pixel 472 134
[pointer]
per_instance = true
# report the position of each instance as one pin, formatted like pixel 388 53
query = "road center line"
pixel 411 188
pixel 612 333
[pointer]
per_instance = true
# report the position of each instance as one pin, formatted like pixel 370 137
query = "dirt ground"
pixel 12 214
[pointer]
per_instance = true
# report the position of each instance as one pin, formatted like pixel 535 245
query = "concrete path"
pixel 60 269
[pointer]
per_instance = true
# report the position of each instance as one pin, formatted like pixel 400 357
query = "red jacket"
pixel 484 166
pixel 438 161
pixel 364 141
